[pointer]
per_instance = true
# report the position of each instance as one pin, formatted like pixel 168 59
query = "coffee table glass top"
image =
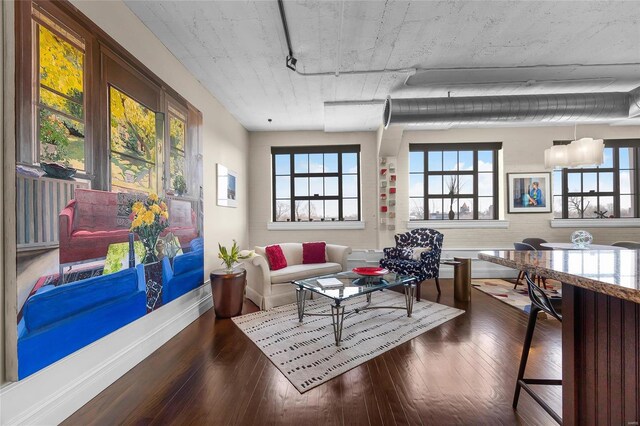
pixel 353 284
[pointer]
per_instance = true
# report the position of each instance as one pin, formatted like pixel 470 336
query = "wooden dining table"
pixel 600 329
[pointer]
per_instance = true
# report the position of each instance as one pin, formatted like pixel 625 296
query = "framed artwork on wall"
pixel 529 192
pixel 227 184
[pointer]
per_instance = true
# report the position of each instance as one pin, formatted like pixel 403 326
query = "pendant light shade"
pixel 581 152
pixel 586 152
pixel 556 156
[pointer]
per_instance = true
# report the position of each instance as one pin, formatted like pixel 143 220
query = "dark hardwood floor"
pixel 462 372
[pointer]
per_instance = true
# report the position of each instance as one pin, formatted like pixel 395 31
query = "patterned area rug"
pixel 519 298
pixel 306 352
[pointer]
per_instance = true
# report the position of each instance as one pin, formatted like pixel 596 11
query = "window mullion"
pixel 292 187
pixel 340 175
pixel 425 184
pixel 475 185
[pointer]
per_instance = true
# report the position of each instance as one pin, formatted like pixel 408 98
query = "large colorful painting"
pixel 92 261
pixel 99 261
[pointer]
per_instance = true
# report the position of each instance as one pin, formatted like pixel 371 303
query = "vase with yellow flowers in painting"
pixel 148 219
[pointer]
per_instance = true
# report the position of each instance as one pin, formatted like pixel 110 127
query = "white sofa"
pixel 267 288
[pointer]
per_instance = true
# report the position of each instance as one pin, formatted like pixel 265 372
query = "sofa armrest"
pixel 167 270
pixel 258 274
pixel 338 254
pixel 430 255
pixel 65 221
pixel 142 285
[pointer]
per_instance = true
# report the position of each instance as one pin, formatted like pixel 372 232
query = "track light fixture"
pixel 291 60
pixel 291 63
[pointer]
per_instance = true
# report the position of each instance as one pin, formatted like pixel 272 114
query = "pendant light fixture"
pixel 580 152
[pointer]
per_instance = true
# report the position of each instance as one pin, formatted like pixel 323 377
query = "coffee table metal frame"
pixel 338 313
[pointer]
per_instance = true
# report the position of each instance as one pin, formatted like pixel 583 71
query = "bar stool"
pixel 523 246
pixel 539 302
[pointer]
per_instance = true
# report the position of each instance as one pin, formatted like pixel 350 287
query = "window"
pixel 60 93
pixel 457 181
pixel 607 190
pixel 134 144
pixel 85 102
pixel 316 183
pixel 177 156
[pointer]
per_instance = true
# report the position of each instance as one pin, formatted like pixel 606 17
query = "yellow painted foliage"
pixel 61 68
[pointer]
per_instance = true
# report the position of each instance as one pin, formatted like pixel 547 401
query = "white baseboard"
pixel 54 393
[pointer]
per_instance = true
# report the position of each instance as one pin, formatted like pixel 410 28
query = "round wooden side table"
pixel 227 289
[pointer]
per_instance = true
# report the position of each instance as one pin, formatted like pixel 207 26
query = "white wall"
pixel 523 150
pixel 225 140
pixel 260 187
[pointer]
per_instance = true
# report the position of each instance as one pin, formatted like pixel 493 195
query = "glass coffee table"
pixel 353 285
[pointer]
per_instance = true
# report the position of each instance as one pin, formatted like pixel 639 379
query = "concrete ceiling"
pixel 237 50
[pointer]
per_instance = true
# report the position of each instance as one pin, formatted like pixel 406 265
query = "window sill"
pixel 595 223
pixel 309 226
pixel 458 224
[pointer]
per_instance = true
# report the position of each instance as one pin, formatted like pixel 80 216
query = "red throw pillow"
pixel 314 253
pixel 276 258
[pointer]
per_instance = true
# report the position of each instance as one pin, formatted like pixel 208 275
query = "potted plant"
pixel 230 257
pixel 452 186
pixel 180 185
pixel 228 284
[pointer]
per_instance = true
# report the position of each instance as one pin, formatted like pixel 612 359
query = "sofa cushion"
pixel 95 210
pixel 292 252
pixel 180 214
pixel 299 272
pixel 314 252
pixel 67 300
pixel 417 252
pixel 405 253
pixel 275 257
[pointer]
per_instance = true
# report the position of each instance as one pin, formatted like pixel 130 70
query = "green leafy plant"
pixel 54 134
pixel 179 184
pixel 231 257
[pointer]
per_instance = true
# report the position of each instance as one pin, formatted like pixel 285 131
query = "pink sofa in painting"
pixel 95 219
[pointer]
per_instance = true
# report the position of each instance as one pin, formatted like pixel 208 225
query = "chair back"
pixel 523 247
pixel 627 244
pixel 536 243
pixel 421 237
pixel 540 299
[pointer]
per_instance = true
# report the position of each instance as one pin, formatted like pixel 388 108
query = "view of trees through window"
pixel 177 163
pixel 60 118
pixel 604 191
pixel 452 181
pixel 134 143
pixel 316 184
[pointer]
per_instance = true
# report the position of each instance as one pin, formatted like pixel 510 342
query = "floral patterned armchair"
pixel 416 253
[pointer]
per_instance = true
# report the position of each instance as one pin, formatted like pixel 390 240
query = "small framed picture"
pixel 227 181
pixel 529 192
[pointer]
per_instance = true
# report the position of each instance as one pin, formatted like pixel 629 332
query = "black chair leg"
pixel 533 316
pixel 520 275
pixel 438 285
pixel 418 288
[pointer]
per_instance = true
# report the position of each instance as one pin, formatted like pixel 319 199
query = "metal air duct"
pixel 570 107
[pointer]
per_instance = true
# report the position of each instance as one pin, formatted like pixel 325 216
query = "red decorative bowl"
pixel 370 271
